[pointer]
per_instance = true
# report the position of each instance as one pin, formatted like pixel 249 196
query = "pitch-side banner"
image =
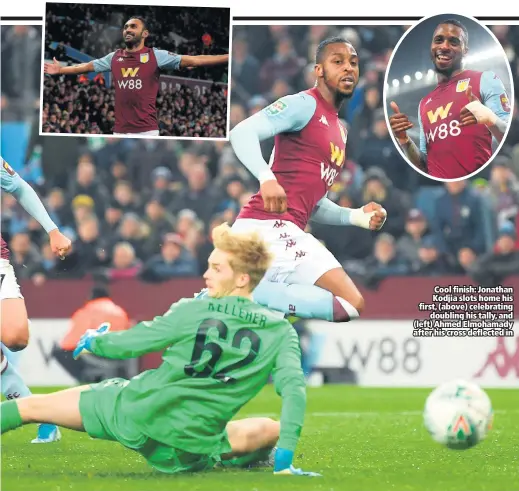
pixel 386 354
pixel 369 353
pixel 39 363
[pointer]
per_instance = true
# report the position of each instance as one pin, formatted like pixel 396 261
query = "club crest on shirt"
pixel 462 85
pixel 145 57
pixel 8 168
pixel 275 108
pixel 505 103
pixel 343 134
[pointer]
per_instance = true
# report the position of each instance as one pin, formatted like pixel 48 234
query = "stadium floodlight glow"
pixel 418 75
pixel 407 79
pixel 396 82
pixel 483 55
pixel 430 73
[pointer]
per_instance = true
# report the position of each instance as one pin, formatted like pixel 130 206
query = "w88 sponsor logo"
pixel 444 130
pixel 131 84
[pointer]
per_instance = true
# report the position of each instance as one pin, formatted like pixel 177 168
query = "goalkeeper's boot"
pixel 47 434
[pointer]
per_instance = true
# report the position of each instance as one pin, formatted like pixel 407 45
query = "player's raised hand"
pixel 377 215
pixel 467 118
pixel 59 243
pixel 399 123
pixel 274 196
pixel 52 68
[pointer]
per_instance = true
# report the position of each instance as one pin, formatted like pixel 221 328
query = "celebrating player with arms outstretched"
pixel 15 324
pixel 219 353
pixel 136 71
pixel 459 117
pixel 310 149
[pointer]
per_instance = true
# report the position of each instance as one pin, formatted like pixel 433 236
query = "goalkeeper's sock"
pixel 248 459
pixel 13 385
pixel 306 301
pixel 10 416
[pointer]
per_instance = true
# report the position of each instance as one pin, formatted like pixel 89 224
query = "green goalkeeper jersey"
pixel 218 355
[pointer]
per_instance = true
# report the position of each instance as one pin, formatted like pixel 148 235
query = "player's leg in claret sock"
pixel 334 298
pixel 252 441
pixel 348 302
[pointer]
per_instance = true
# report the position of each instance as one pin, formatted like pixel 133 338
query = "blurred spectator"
pixel 20 74
pixel 503 190
pixel 245 69
pixel 199 196
pixel 385 261
pixel 378 150
pixel 173 261
pixel 131 231
pixel 410 242
pixel 285 65
pixel 458 224
pixel 90 246
pixel 492 268
pixel 87 183
pixel 431 262
pixel 125 197
pixel 125 264
pixel 25 257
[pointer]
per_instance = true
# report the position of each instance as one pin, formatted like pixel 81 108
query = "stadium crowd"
pixel 146 208
pixel 86 104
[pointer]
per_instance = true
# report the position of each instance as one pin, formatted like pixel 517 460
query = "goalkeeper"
pixel 219 353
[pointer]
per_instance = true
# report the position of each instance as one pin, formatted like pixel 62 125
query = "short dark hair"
pixel 322 46
pixel 99 291
pixel 457 23
pixel 142 19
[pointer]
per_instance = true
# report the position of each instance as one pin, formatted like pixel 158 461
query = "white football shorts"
pixel 299 258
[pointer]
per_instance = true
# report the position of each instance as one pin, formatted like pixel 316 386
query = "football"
pixel 458 414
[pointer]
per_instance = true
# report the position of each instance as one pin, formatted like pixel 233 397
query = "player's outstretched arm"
pixel 30 201
pixel 187 61
pixel 145 337
pixel 371 216
pixel 290 384
pixel 399 125
pixel 55 68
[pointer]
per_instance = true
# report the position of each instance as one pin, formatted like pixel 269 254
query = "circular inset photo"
pixel 448 94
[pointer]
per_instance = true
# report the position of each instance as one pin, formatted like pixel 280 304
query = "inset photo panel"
pixel 137 71
pixel 448 96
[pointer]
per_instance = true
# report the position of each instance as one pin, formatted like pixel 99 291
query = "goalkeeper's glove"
pixel 85 341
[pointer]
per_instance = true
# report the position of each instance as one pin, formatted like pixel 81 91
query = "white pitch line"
pixel 360 414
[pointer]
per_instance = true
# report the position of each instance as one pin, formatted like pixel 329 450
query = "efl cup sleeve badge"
pixel 145 57
pixel 462 85
pixel 8 168
pixel 275 108
pixel 505 103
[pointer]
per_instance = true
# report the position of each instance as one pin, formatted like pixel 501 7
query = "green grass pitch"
pixel 360 439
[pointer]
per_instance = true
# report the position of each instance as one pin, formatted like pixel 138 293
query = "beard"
pixel 339 94
pixel 134 41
